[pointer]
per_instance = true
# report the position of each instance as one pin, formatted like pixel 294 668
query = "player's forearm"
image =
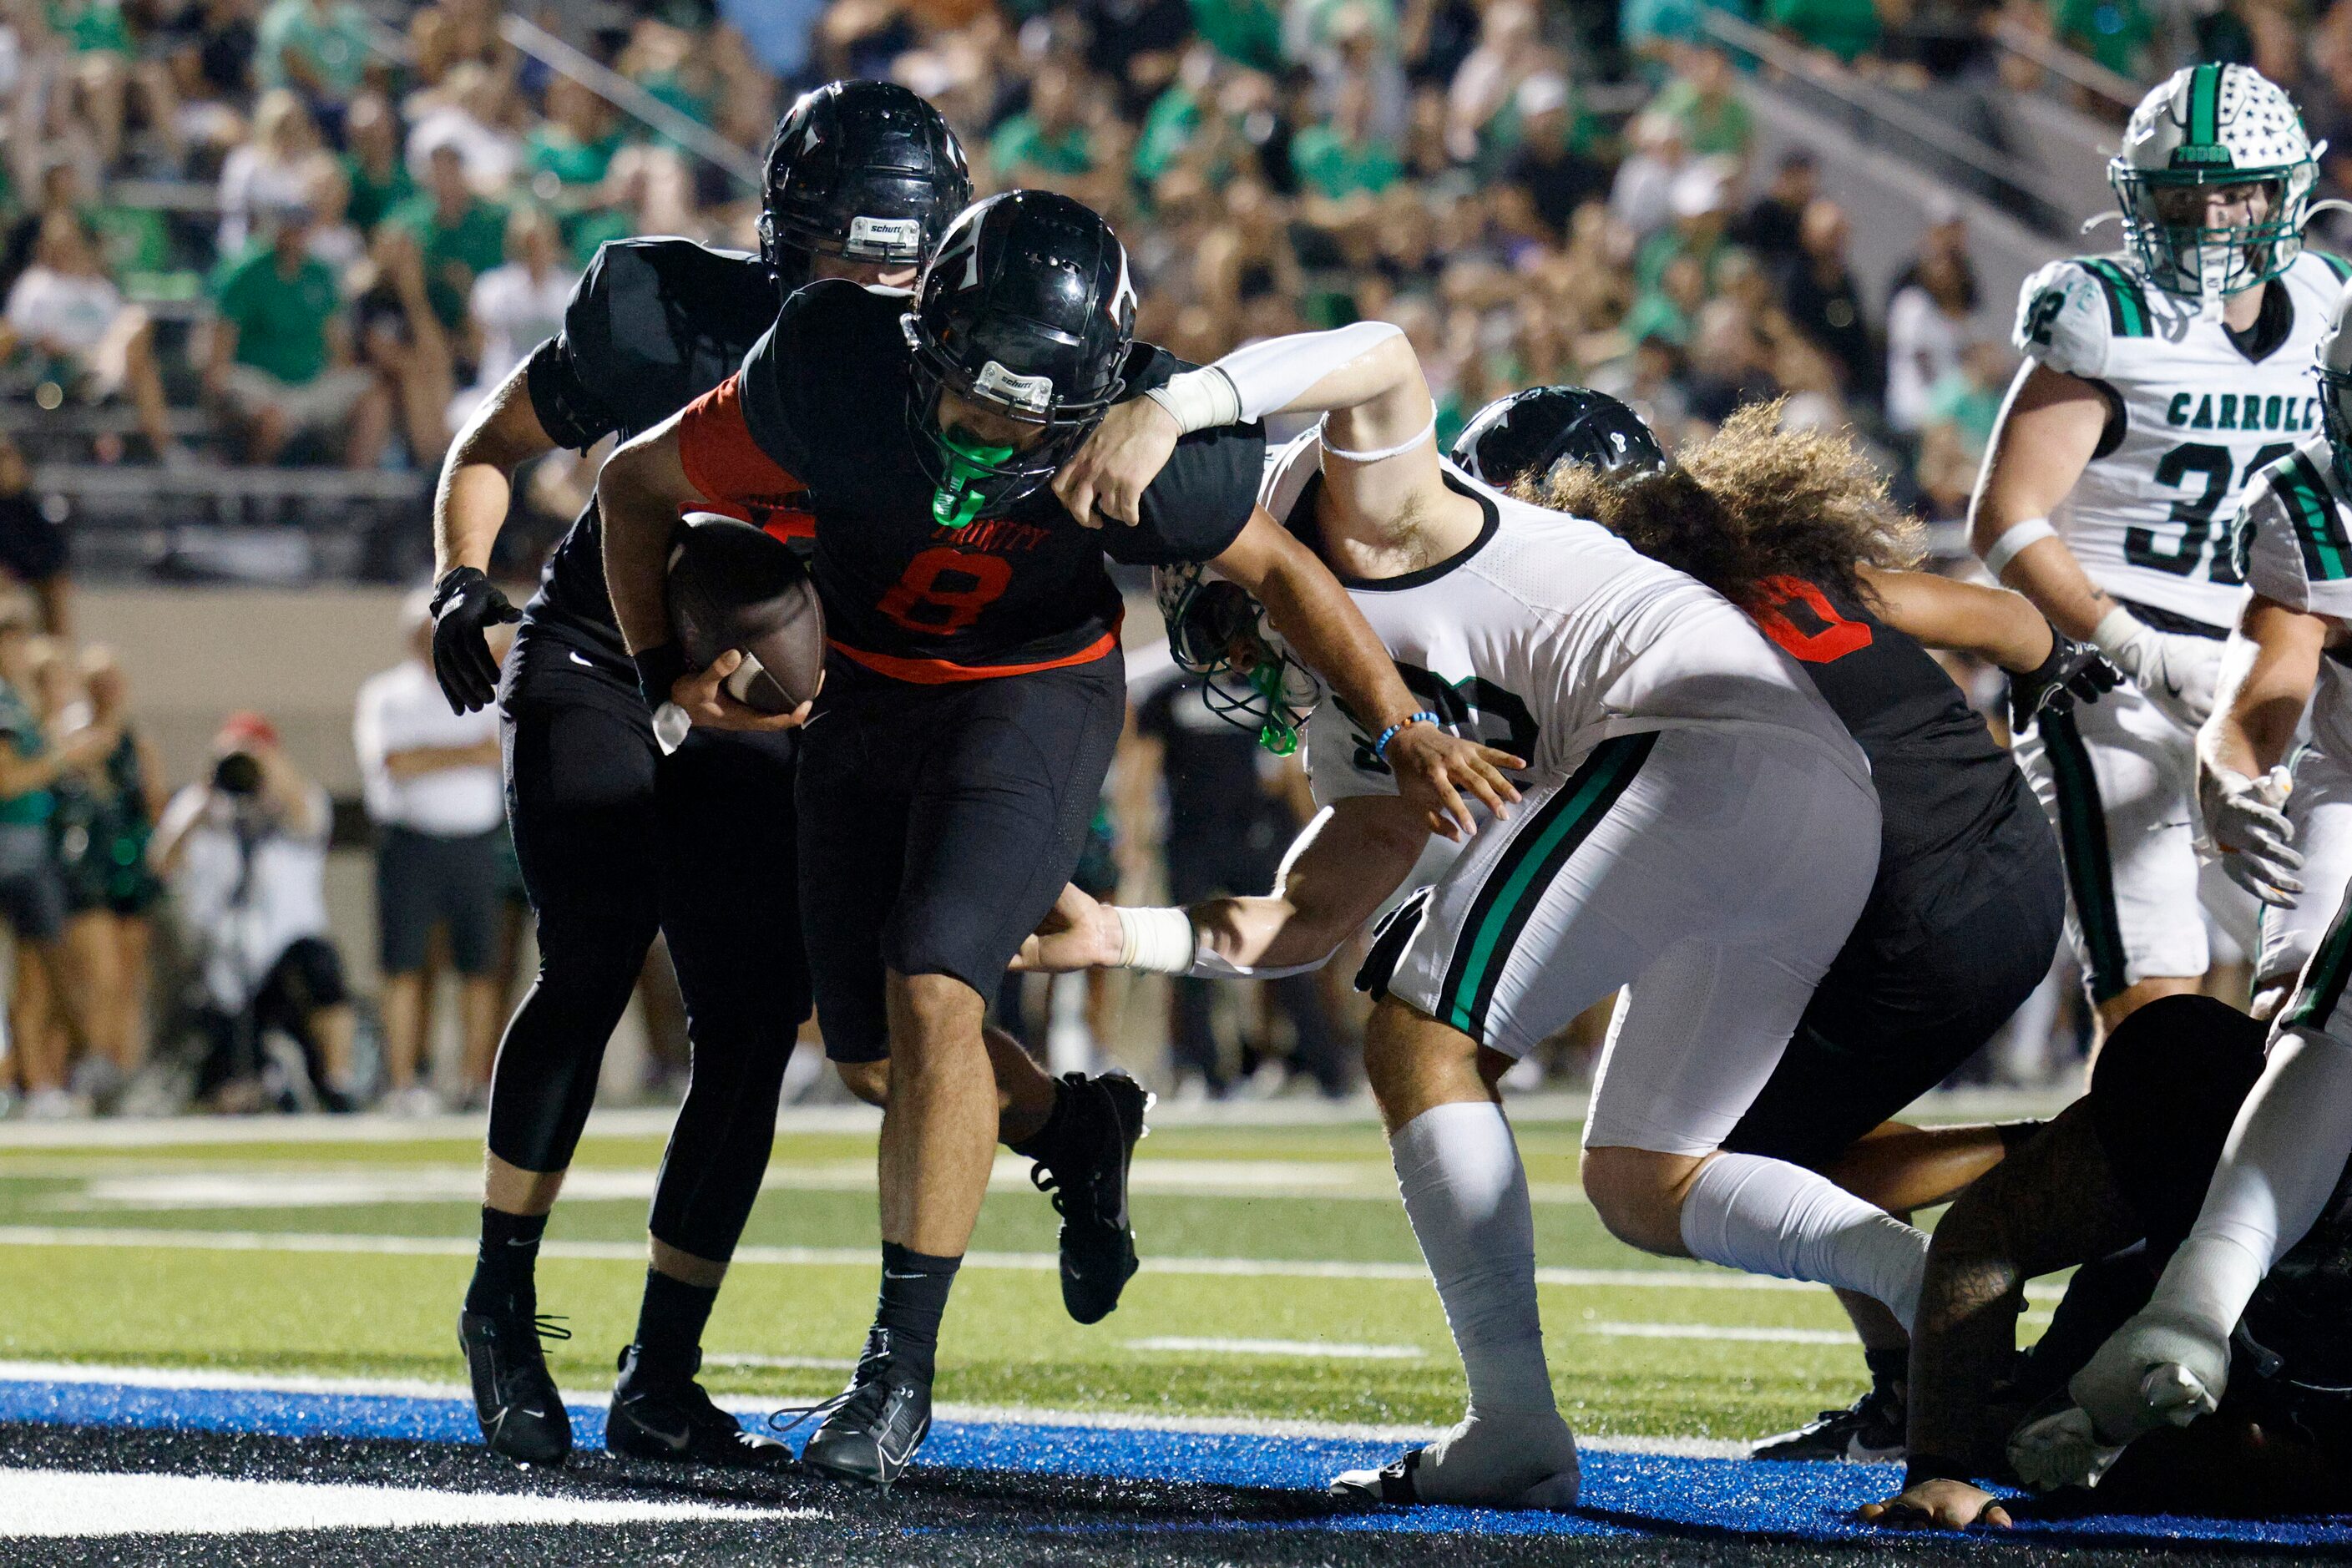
pixel 639 497
pixel 1330 635
pixel 2268 667
pixel 1336 875
pixel 476 486
pixel 2055 582
pixel 1994 624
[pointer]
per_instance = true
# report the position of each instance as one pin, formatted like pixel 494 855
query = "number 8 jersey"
pixel 2196 413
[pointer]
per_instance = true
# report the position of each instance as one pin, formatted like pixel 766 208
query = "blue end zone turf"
pixel 1624 1494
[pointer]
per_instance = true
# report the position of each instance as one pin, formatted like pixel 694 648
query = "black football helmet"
pixel 862 170
pixel 1530 433
pixel 1025 309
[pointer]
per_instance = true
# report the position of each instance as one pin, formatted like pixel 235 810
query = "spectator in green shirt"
pixel 280 358
pixel 1705 100
pixel 1246 31
pixel 1050 139
pixel 1845 28
pixel 2116 33
pixel 1340 156
pixel 372 163
pixel 1962 409
pixel 461 234
pixel 318 47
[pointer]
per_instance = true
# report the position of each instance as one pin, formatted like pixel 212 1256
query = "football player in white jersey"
pixel 2158 382
pixel 1696 824
pixel 2288 1148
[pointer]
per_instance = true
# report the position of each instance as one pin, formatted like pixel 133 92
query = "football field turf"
pixel 283 1299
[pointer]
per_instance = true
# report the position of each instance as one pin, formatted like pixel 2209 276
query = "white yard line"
pixel 295 1187
pixel 66 1503
pixel 653 1122
pixel 1710 1331
pixel 863 1257
pixel 1333 1350
pixel 749 1405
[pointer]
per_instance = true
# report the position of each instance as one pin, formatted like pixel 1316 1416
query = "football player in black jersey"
pixel 616 840
pixel 2114 1184
pixel 975 689
pixel 1966 908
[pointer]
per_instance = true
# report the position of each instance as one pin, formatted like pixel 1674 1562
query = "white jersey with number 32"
pixel 1546 634
pixel 2149 518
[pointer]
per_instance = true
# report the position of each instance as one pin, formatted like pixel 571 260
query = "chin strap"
pixel 2097 219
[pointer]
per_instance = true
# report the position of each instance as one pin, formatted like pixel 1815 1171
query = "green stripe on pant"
pixel 1516 885
pixel 2083 836
pixel 2321 986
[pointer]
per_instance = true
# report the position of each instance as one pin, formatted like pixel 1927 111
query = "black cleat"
pixel 1873 1430
pixel 674 1419
pixel 1090 1191
pixel 522 1415
pixel 872 1428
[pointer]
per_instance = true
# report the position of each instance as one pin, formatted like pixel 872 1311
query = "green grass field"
pixel 347 1260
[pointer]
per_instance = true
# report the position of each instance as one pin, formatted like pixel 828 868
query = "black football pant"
pixel 1912 994
pixel 617 841
pixel 939 823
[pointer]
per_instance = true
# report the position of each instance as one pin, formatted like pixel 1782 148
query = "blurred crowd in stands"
pixel 303 231
pixel 313 233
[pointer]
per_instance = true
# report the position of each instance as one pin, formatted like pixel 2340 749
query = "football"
pixel 732 585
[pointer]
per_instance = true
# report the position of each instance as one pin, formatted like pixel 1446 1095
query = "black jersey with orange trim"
pixel 1946 790
pixel 820 408
pixel 653 325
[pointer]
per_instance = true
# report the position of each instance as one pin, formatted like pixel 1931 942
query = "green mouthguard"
pixel 1277 734
pixel 957 499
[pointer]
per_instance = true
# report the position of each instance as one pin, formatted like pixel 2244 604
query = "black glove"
pixel 466 605
pixel 2074 672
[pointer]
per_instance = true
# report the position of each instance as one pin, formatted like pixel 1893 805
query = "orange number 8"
pixel 943 590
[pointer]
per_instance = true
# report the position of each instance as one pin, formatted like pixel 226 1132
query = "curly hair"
pixel 1749 502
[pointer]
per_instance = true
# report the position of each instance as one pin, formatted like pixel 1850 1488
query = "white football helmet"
pixel 2334 374
pixel 2207 126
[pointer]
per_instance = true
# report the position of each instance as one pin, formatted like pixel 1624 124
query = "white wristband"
pixel 2005 549
pixel 1208 963
pixel 1154 939
pixel 1200 399
pixel 2116 631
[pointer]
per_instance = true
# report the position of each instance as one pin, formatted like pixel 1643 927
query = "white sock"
pixel 1467 1195
pixel 1768 1216
pixel 2284 1155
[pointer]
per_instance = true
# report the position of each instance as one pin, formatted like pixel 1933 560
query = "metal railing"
pixel 530 39
pixel 2111 91
pixel 1888 119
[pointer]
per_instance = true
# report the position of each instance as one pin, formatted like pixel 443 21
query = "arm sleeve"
pixel 565 370
pixel 2061 321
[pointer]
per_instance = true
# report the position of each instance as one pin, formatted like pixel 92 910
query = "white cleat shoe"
pixel 1511 1463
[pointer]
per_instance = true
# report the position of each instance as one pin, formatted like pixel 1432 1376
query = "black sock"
pixel 670 1324
pixel 504 1265
pixel 1890 1367
pixel 1051 1137
pixel 915 1287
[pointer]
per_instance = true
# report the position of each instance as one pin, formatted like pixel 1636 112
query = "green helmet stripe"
pixel 2205 105
pixel 2337 265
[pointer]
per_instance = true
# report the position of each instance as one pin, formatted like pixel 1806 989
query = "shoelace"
pixel 859 1382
